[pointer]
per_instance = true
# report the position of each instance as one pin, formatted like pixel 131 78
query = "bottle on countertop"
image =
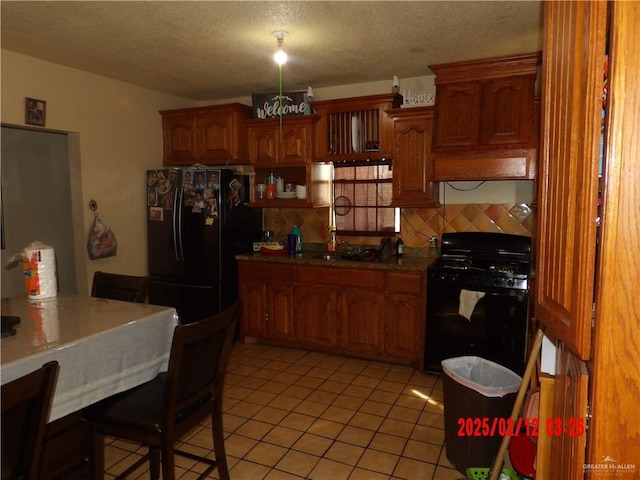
pixel 332 246
pixel 271 178
pixel 296 231
pixel 399 247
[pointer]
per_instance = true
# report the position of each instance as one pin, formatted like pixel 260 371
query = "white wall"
pixel 502 191
pixel 118 135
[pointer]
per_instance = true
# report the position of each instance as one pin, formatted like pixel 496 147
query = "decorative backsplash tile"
pixel 312 222
pixel 416 224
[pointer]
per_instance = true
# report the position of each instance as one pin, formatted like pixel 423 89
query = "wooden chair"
pixel 26 402
pixel 161 411
pixel 127 288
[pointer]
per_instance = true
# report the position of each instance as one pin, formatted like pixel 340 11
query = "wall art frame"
pixel 35 112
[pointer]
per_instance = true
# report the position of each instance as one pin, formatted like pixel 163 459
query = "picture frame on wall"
pixel 35 112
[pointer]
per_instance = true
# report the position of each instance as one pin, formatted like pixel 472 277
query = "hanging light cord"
pixel 280 73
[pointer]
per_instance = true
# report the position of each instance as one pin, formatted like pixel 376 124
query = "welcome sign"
pixel 270 105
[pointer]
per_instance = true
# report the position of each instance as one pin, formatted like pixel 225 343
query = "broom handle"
pixel 497 464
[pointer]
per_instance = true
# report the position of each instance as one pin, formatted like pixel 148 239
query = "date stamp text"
pixel 489 427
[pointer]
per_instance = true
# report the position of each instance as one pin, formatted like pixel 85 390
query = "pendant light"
pixel 280 58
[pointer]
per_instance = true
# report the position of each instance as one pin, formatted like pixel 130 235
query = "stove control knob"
pixel 511 282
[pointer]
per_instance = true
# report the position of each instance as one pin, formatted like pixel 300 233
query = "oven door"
pixel 497 330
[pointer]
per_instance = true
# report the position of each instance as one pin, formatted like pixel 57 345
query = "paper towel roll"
pixel 39 264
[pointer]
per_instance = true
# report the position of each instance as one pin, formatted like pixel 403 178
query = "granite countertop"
pixel 417 259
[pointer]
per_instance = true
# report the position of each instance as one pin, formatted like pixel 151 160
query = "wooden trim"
pixel 483 69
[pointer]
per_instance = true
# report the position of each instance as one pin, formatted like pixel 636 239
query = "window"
pixel 362 193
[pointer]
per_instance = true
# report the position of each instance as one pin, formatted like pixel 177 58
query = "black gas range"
pixel 487 260
pixel 493 269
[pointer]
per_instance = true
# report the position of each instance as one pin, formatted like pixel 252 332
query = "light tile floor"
pixel 292 414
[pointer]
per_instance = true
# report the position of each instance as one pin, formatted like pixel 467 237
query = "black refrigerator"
pixel 197 221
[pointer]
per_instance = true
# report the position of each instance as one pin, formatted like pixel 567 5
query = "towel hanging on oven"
pixel 468 300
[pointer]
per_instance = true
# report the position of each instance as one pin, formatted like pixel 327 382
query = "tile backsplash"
pixel 416 224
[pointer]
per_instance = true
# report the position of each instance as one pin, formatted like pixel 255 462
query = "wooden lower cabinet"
pixel 254 309
pixel 268 300
pixel 316 316
pixel 402 333
pixel 280 311
pixel 361 320
pixel 371 313
pixel 405 316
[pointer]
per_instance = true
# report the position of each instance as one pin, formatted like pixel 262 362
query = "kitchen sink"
pixel 366 255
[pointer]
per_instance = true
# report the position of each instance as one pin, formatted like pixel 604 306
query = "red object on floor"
pixel 522 452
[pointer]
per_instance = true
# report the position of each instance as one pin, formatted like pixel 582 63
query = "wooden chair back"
pixel 128 288
pixel 26 402
pixel 199 356
pixel 161 411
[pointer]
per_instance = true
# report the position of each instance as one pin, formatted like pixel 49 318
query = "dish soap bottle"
pixel 296 231
pixel 399 247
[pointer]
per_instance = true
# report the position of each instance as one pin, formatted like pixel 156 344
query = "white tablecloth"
pixel 103 346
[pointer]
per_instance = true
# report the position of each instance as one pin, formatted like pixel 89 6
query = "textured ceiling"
pixel 205 50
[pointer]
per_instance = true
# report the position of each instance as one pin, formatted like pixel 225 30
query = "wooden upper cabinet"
pixel 572 84
pixel 509 105
pixel 214 135
pixel 179 139
pixel 355 128
pixel 485 125
pixel 271 145
pixel 454 128
pixel 412 166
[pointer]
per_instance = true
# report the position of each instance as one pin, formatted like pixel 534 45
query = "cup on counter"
pixel 271 191
pixel 301 192
pixel 261 191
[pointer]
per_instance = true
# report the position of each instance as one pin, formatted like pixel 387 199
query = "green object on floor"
pixel 483 474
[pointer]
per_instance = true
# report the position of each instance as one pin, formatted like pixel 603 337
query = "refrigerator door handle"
pixel 178 233
pixel 174 221
pixel 167 283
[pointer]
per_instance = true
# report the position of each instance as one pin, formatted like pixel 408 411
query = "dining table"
pixel 103 347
